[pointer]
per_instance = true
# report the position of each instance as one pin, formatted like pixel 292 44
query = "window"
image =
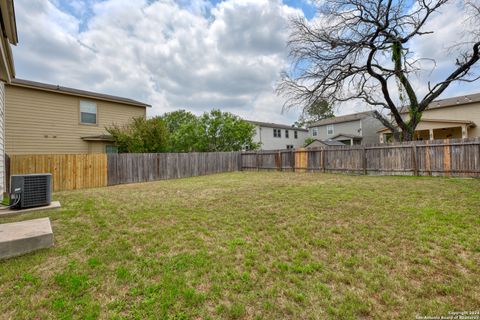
pixel 289 146
pixel 295 134
pixel 277 133
pixel 315 132
pixel 110 148
pixel 88 112
pixel 330 129
pixel 286 134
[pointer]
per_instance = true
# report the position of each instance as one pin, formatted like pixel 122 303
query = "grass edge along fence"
pixel 454 157
pixel 80 171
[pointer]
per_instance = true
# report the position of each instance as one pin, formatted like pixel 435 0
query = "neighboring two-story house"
pixel 273 136
pixel 451 118
pixel 43 118
pixel 351 129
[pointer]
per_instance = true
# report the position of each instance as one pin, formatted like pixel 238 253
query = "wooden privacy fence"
pixel 130 168
pixel 69 171
pixel 79 171
pixel 456 157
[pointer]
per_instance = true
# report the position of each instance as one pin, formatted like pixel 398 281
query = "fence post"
pixel 414 159
pixel 447 164
pixel 278 160
pixel 322 159
pixel 7 173
pixel 292 160
pixel 257 162
pixel 364 160
pixel 428 166
pixel 478 157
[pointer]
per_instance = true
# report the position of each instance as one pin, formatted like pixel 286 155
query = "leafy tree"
pixel 223 131
pixel 175 119
pixel 363 50
pixel 141 136
pixel 184 129
pixel 314 112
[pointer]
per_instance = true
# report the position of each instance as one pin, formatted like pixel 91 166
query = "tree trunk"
pixel 409 132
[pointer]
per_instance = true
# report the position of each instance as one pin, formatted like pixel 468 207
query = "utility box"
pixel 30 190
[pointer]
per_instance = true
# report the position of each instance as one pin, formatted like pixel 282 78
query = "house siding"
pixel 370 127
pixel 269 142
pixel 2 140
pixel 350 127
pixel 46 122
pixel 465 112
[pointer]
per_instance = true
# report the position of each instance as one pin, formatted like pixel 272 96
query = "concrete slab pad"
pixel 18 238
pixel 13 212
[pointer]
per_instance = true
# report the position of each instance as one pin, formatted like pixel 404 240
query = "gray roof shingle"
pixel 75 92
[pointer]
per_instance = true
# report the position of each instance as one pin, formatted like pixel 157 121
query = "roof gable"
pixel 450 102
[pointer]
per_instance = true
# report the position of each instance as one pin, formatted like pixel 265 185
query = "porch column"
pixel 351 142
pixel 431 134
pixel 464 132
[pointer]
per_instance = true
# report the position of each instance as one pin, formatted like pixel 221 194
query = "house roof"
pixel 349 136
pixel 75 92
pixel 8 37
pixel 9 21
pixel 328 142
pixel 450 102
pixel 345 118
pixel 275 125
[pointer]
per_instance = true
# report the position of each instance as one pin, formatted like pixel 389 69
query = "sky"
pixel 184 54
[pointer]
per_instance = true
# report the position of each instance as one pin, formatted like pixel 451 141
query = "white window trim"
pixel 330 126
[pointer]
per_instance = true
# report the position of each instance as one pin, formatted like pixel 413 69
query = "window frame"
pixel 277 133
pixel 314 132
pixel 80 113
pixel 287 134
pixel 295 134
pixel 330 127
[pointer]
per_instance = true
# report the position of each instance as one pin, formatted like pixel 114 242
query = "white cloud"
pixel 172 54
pixel 184 53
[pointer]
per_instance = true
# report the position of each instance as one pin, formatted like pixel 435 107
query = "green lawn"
pixel 255 246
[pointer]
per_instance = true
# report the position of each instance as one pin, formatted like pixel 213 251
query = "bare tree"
pixel 360 49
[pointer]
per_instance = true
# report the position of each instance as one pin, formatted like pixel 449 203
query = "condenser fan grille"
pixel 30 190
pixel 35 190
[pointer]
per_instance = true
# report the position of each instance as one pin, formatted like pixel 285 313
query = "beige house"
pixel 451 118
pixel 43 118
pixel 9 37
